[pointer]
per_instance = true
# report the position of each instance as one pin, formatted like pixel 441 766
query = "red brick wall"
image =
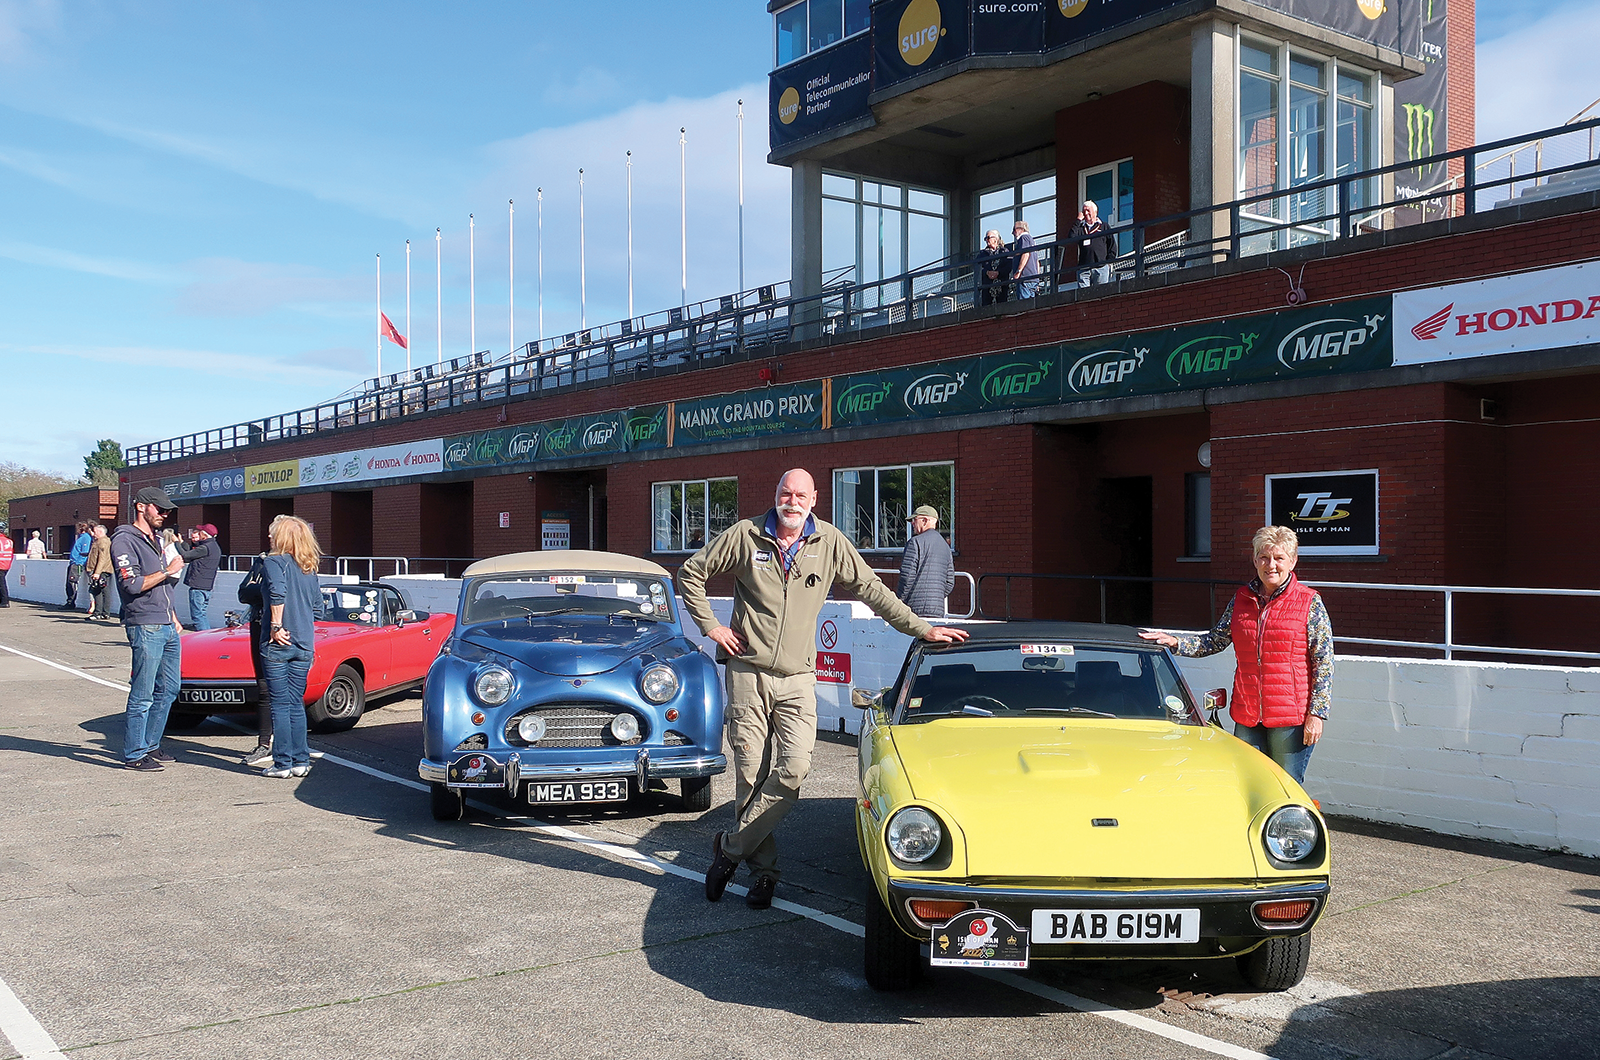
pixel 1150 124
pixel 1461 75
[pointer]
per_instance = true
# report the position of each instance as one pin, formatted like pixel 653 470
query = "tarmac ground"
pixel 209 911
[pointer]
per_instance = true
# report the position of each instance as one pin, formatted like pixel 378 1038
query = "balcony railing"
pixel 749 323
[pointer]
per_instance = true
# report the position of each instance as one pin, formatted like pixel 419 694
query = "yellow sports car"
pixel 1052 790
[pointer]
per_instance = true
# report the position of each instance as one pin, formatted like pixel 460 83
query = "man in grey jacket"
pixel 784 564
pixel 927 569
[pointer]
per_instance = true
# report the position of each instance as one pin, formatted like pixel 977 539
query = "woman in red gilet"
pixel 1283 643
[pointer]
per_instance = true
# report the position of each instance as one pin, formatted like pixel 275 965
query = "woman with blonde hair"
pixel 294 603
pixel 1283 645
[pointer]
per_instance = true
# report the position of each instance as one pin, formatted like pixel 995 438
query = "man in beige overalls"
pixel 784 565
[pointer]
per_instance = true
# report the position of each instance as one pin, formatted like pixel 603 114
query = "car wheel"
pixel 341 705
pixel 183 722
pixel 1276 964
pixel 695 793
pixel 892 960
pixel 447 804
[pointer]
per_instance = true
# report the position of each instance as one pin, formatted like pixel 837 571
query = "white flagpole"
pixel 408 307
pixel 472 284
pixel 630 235
pixel 541 264
pixel 683 210
pixel 583 265
pixel 438 292
pixel 511 207
pixel 379 321
pixel 741 196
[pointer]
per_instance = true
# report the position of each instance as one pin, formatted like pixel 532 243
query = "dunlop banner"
pixel 748 414
pixel 1349 337
pixel 278 475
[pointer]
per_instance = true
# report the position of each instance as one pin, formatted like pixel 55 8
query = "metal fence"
pixel 1485 177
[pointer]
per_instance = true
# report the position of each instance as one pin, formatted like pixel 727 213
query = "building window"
pixel 811 25
pixel 872 506
pixel 1287 91
pixel 1032 200
pixel 685 515
pixel 872 231
pixel 1110 188
pixel 1197 515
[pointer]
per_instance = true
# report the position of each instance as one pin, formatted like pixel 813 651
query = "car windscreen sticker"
pixel 647 607
pixel 916 702
pixel 1046 649
pixel 566 579
pixel 979 938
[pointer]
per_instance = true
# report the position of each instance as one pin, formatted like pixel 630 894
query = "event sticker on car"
pixel 567 579
pixel 1046 649
pixel 979 938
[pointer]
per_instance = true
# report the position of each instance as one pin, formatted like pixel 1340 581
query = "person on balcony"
pixel 1283 643
pixel 994 269
pixel 1097 246
pixel 1025 261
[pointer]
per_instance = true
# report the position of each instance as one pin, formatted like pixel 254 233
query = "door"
pixel 1127 509
pixel 1110 188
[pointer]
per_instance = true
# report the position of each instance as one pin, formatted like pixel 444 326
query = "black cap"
pixel 154 495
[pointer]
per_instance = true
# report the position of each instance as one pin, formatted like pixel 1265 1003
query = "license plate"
pixel 211 695
pixel 578 791
pixel 1102 927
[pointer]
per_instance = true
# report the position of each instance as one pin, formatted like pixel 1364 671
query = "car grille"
pixel 573 725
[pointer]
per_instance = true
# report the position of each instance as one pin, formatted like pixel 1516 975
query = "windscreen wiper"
pixel 1076 710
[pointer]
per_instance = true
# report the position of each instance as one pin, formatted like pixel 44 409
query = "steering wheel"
pixel 982 702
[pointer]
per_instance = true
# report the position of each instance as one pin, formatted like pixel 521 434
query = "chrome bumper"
pixel 643 768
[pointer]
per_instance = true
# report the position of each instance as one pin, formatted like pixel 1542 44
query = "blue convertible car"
pixel 568 681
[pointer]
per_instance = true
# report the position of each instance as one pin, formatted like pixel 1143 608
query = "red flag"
pixel 390 332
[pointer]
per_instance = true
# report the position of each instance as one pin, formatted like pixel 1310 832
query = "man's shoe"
pixel 261 756
pixel 721 870
pixel 278 772
pixel 147 764
pixel 161 756
pixel 299 771
pixel 760 896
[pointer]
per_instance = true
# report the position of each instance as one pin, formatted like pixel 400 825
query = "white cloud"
pixel 21 21
pixel 246 288
pixel 228 366
pixel 33 254
pixel 1538 76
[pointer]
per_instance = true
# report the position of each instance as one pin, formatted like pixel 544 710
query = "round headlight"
pixel 625 727
pixel 493 686
pixel 914 834
pixel 1291 834
pixel 659 683
pixel 531 728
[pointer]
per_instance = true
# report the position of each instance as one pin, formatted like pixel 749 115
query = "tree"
pixel 19 481
pixel 101 467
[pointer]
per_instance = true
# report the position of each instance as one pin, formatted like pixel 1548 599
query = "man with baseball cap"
pixel 202 575
pixel 146 580
pixel 927 569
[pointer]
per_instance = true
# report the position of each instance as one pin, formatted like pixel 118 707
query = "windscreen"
pixel 358 606
pixel 505 596
pixel 1036 680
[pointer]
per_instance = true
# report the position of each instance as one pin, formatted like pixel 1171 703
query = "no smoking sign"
pixel 828 635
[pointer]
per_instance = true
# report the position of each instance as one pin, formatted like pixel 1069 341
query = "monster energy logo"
pixel 1419 132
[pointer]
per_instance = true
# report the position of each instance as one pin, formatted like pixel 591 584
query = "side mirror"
pixel 402 617
pixel 1216 701
pixel 860 697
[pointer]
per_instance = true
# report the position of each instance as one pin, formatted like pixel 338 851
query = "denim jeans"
pixel 1284 746
pixel 199 604
pixel 1029 287
pixel 1090 274
pixel 153 687
pixel 287 669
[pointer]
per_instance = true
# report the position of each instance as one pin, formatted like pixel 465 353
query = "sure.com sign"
pixel 1542 310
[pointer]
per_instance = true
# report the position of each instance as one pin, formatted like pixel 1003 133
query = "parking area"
pixel 208 911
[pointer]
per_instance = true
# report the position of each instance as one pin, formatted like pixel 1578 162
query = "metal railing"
pixel 1448 594
pixel 745 324
pixel 972 591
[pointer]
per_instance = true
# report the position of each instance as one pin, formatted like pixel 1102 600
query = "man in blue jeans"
pixel 146 580
pixel 202 574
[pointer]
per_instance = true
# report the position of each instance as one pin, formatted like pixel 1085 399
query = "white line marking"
pixel 24 1032
pixel 12 1010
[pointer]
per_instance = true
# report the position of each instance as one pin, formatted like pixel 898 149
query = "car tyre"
pixel 695 792
pixel 184 722
pixel 448 804
pixel 341 704
pixel 892 959
pixel 1276 964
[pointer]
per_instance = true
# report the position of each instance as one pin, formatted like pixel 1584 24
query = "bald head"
pixel 797 493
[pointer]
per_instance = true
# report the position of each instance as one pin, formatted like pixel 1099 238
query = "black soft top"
pixel 989 633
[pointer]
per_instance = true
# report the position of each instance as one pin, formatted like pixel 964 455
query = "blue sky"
pixel 191 194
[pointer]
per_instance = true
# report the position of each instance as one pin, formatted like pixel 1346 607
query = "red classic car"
pixel 368 644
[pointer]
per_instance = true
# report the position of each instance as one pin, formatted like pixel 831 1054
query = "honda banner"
pixel 1542 310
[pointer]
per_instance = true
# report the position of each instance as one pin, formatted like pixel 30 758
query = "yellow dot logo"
pixel 789 105
pixel 1074 8
pixel 919 31
pixel 1371 8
